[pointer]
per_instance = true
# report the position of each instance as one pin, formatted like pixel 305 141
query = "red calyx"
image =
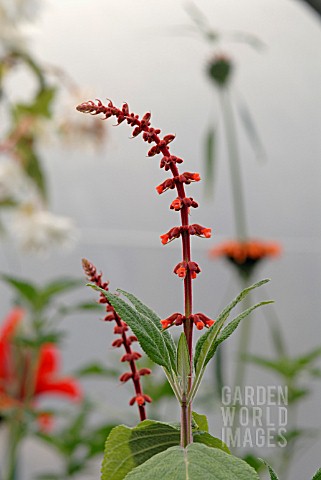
pixel 170 235
pixel 174 319
pixel 130 357
pixel 201 320
pixel 200 231
pixel 140 399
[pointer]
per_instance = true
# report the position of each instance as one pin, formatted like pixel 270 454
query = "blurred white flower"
pixel 12 180
pixel 38 230
pixel 15 11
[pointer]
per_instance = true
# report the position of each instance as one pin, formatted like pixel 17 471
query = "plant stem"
pixel 185 423
pixel 14 438
pixel 234 161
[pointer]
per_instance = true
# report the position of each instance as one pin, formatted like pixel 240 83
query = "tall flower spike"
pixel 161 146
pixel 121 328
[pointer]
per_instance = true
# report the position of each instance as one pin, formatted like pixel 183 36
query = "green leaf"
pixel 200 421
pixel 195 462
pixel 315 4
pixel 96 369
pixel 150 338
pixel 207 343
pixel 31 163
pixel 40 106
pixel 58 287
pixel 251 131
pixel 209 159
pixel 151 315
pixel 317 475
pixel 273 475
pixel 183 363
pixel 229 329
pixel 128 447
pixel 210 441
pixel 26 290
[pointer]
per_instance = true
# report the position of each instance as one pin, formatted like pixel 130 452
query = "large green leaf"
pixel 126 448
pixel 148 335
pixel 196 462
pixel 149 313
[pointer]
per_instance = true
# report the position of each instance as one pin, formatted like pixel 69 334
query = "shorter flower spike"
pixel 174 319
pixel 201 320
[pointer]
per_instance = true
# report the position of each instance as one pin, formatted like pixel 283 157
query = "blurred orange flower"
pixel 16 369
pixel 245 255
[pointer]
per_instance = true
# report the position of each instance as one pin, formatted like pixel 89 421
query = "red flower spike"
pixel 121 327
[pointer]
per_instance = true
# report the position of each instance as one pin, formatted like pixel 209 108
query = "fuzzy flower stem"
pixel 93 276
